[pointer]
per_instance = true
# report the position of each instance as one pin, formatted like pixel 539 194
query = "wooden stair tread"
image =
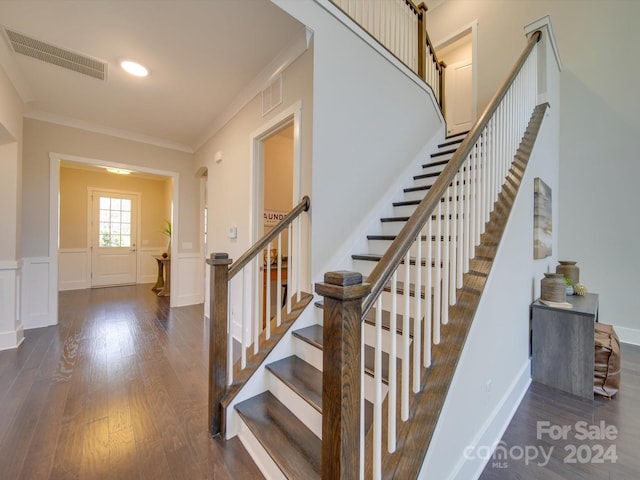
pixel 426 175
pixel 416 189
pixel 291 445
pixel 457 141
pixel 369 351
pixel 375 257
pixel 313 334
pixel 443 152
pixel 301 377
pixel 393 237
pixel 435 164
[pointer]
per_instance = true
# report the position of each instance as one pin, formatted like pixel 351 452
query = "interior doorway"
pixel 76 257
pixel 458 52
pixel 277 201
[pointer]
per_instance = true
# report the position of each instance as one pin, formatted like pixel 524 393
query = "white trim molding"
pixel 187 279
pixel 545 23
pixel 628 335
pixel 11 329
pixel 74 268
pixel 39 301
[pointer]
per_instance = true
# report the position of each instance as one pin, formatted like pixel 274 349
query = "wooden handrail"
pixel 382 272
pixel 261 244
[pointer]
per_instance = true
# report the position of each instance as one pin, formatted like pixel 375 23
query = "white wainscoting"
pixel 147 265
pixel 74 268
pixel 11 329
pixel 39 302
pixel 187 287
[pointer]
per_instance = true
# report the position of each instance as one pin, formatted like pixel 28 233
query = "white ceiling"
pixel 202 54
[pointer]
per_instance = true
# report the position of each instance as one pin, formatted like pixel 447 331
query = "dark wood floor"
pixel 117 390
pixel 613 455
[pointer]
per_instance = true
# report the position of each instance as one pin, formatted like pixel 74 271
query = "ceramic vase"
pixel 553 288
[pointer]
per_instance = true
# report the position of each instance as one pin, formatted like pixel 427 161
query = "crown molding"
pixel 104 130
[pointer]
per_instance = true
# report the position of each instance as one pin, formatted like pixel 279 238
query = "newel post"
pixel 422 41
pixel 218 307
pixel 343 293
pixel 441 72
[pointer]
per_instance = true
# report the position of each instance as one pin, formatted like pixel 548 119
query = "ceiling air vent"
pixel 272 96
pixel 56 56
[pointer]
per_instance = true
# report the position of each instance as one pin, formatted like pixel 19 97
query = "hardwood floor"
pixel 117 390
pixel 611 450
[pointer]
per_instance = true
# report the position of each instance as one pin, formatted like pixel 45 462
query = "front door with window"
pixel 113 238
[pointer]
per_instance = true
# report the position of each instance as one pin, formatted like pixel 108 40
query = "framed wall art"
pixel 542 220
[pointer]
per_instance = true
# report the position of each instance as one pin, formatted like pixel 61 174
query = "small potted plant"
pixel 569 285
pixel 167 231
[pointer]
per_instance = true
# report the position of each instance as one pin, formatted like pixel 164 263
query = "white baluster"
pixel 405 339
pixel 289 266
pixel 279 282
pixel 445 259
pixel 393 355
pixel 267 300
pixel 428 299
pixel 438 269
pixel 243 334
pixel 377 404
pixel 417 317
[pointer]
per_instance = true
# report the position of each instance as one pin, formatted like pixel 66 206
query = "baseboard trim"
pixel 11 339
pixel 493 429
pixel 628 335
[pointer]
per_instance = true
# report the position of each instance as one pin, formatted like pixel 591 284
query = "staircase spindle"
pixel 405 337
pixel 417 316
pixel 393 356
pixel 428 295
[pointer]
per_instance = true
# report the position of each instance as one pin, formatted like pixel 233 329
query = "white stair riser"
pixel 258 454
pixel 380 247
pixel 365 267
pixel 404 210
pixel 370 339
pixel 435 168
pixel 421 182
pixel 417 195
pixel 307 352
pixel 400 304
pixel 295 403
pixel 392 228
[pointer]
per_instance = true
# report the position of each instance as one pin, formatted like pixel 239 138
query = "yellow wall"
pixel 74 185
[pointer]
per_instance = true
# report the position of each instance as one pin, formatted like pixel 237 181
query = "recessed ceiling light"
pixel 119 171
pixel 134 68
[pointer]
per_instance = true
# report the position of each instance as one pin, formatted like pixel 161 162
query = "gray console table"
pixel 563 344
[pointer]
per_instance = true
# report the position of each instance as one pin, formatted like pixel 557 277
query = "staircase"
pixel 292 440
pixel 416 308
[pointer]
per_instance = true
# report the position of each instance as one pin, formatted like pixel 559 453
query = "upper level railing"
pixel 255 270
pixel 399 25
pixel 415 282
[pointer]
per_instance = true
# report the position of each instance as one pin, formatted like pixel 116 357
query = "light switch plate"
pixel 233 232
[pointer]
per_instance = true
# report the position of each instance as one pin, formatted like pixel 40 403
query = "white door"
pixel 458 79
pixel 113 238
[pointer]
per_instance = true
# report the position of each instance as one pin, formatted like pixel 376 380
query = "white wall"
pixel 11 330
pixel 41 139
pixel 370 120
pixel 494 368
pixel 599 128
pixel 230 182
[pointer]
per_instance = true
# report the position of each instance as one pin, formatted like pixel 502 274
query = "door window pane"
pixel 115 222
